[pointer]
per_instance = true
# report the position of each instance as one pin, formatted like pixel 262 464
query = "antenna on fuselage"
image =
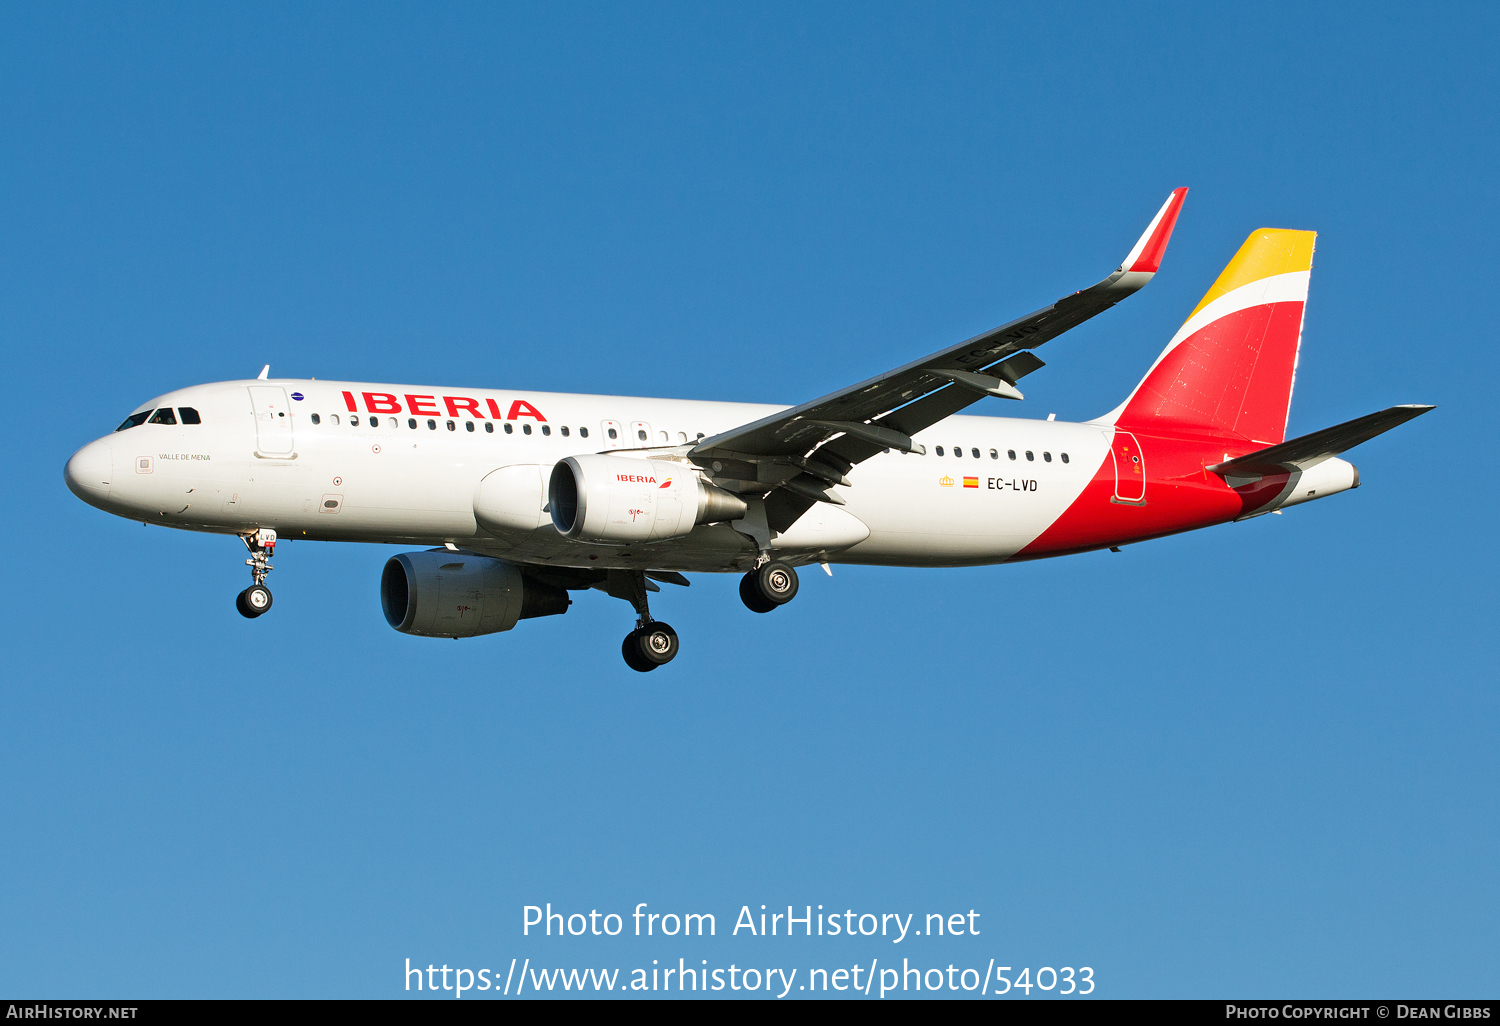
pixel 265 372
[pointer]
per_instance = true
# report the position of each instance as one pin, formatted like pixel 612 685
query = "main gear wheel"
pixel 769 586
pixel 649 646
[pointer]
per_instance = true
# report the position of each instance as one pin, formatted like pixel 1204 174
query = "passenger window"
pixel 612 433
pixel 333 418
pixel 681 437
pixel 469 426
pixel 392 423
pixel 374 421
pixel 509 429
pixel 640 436
pixel 1047 457
pixel 189 415
pixel 164 416
pixel 432 425
pixel 1011 453
pixel 316 419
pixel 1029 456
pixel 583 432
pixel 411 422
pixel 664 436
pixel 564 430
pixel 525 429
pixel 1065 457
pixel 994 454
pixel 489 427
pixel 546 429
pixel 974 453
pixel 958 451
pixel 452 426
pixel 134 420
pixel 940 450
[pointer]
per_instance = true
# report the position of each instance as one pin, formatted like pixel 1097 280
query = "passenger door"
pixel 1130 470
pixel 273 420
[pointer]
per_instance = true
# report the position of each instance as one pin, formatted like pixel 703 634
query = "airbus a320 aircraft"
pixel 526 496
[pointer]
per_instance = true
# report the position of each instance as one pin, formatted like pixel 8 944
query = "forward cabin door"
pixel 1130 470
pixel 273 420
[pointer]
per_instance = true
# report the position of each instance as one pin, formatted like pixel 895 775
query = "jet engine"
pixel 598 498
pixel 443 594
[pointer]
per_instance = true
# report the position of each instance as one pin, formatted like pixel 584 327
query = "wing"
pixel 793 456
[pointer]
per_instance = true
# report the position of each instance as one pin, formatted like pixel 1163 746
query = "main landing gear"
pixel 768 586
pixel 652 643
pixel 256 599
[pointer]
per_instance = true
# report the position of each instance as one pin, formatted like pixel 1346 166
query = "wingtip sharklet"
pixel 1145 256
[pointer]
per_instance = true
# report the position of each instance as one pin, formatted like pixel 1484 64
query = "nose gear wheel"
pixel 253 601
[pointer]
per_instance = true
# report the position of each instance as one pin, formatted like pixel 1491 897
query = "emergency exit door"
pixel 1130 470
pixel 273 420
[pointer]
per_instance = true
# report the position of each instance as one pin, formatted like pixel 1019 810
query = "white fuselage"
pixel 309 466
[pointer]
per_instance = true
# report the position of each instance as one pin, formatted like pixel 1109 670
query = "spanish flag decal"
pixel 971 482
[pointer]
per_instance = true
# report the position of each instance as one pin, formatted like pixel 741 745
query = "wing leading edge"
pixel 794 456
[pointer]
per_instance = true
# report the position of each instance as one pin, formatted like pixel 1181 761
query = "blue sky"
pixel 1258 760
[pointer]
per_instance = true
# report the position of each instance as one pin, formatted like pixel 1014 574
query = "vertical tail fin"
pixel 1232 364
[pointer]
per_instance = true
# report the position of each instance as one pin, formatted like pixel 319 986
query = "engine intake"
pixel 442 594
pixel 596 498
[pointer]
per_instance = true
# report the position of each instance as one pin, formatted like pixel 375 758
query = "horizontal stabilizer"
pixel 1310 450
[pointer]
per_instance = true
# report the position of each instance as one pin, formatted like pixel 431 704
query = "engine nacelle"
pixel 618 499
pixel 442 594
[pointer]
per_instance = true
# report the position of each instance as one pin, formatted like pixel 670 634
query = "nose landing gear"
pixel 256 599
pixel 768 586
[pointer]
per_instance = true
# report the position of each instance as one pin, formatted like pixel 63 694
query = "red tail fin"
pixel 1232 365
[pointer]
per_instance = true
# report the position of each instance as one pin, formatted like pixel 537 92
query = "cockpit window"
pixel 134 420
pixel 164 416
pixel 189 415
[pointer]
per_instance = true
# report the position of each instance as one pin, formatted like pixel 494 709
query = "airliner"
pixel 513 499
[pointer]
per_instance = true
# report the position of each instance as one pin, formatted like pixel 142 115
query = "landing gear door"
pixel 1130 470
pixel 273 420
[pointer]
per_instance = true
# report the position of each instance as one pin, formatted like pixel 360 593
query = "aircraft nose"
pixel 89 472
